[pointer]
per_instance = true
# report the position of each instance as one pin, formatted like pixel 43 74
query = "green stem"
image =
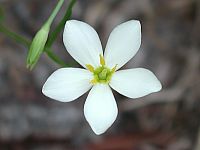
pixel 56 58
pixel 20 39
pixel 14 36
pixel 61 25
pixel 55 11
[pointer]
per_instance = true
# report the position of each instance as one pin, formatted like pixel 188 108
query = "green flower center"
pixel 102 74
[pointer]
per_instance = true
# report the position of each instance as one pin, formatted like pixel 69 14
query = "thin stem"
pixel 61 25
pixel 55 58
pixel 20 39
pixel 55 11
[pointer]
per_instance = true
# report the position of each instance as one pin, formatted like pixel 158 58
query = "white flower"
pixel 101 72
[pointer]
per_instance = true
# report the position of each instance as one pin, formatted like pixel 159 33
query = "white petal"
pixel 82 42
pixel 100 108
pixel 67 84
pixel 123 43
pixel 135 83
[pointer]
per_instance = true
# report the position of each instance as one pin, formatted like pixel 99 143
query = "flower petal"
pixel 135 83
pixel 100 108
pixel 67 84
pixel 123 43
pixel 82 42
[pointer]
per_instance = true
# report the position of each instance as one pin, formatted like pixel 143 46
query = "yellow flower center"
pixel 101 74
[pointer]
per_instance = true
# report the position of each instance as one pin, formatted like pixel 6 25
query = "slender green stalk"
pixel 55 11
pixel 61 25
pixel 56 59
pixel 20 39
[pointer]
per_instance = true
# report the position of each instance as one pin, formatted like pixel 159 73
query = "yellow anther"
pixel 90 67
pixel 93 81
pixel 102 60
pixel 114 69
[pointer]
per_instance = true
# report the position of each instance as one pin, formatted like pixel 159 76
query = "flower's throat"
pixel 102 74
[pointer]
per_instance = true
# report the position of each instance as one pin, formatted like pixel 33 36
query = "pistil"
pixel 102 74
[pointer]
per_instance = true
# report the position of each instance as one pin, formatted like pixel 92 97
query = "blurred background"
pixel 167 120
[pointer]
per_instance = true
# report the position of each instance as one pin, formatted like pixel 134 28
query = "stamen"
pixel 114 69
pixel 101 74
pixel 93 81
pixel 102 60
pixel 90 67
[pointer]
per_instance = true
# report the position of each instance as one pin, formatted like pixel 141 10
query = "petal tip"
pixel 44 89
pixel 158 86
pixel 99 128
pixel 71 21
pixel 135 22
pixel 98 132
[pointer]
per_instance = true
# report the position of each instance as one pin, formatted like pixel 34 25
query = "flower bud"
pixel 37 46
